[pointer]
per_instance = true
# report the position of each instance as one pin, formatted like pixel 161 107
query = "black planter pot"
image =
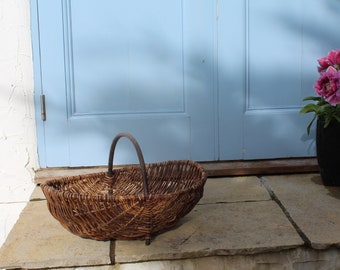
pixel 328 152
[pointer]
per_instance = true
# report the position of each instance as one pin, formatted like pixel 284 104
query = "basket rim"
pixel 48 187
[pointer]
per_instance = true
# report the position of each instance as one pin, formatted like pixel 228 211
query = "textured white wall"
pixel 18 149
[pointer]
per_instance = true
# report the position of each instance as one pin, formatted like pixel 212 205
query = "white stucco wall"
pixel 18 158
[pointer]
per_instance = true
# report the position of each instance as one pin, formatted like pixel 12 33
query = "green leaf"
pixel 310 124
pixel 328 120
pixel 321 109
pixel 336 117
pixel 310 108
pixel 312 98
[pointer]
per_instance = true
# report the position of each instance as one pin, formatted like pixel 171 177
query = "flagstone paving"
pixel 270 222
pixel 39 241
pixel 314 207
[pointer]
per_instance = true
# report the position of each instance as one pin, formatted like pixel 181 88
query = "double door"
pixel 190 79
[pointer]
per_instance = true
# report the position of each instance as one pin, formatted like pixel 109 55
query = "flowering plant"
pixel 327 88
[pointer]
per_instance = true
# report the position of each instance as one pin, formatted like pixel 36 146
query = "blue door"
pixel 143 67
pixel 267 55
pixel 194 79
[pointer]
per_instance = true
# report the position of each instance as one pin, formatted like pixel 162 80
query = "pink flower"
pixel 328 86
pixel 332 59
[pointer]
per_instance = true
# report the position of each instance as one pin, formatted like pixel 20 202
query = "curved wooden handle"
pixel 139 154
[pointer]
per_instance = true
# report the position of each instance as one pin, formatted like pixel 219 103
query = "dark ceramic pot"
pixel 328 152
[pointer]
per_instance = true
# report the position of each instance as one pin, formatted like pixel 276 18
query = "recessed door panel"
pixel 126 66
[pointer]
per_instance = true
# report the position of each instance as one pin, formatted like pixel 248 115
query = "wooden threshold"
pixel 213 169
pixel 261 167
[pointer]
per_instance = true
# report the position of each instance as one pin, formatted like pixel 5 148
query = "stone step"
pixel 270 222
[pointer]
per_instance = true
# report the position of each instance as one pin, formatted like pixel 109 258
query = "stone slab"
pixel 37 194
pixel 9 214
pixel 314 207
pixel 297 259
pixel 215 230
pixel 39 241
pixel 234 189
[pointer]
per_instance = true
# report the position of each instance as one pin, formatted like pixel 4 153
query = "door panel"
pixel 265 70
pixel 125 66
pixel 274 52
pixel 274 74
pixel 123 56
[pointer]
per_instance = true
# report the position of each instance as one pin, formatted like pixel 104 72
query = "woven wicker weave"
pixel 132 202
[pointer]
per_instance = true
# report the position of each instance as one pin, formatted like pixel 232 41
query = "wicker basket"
pixel 132 202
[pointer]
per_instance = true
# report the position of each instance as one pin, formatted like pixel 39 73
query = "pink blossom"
pixel 324 64
pixel 328 86
pixel 332 59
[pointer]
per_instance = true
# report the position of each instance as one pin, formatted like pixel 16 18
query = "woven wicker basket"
pixel 132 202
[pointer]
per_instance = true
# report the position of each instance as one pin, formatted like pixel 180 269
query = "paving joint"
pixel 236 202
pixel 275 198
pixel 112 251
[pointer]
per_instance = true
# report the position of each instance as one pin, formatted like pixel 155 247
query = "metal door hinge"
pixel 43 107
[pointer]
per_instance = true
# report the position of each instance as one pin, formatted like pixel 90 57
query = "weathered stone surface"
pixel 37 194
pixel 9 214
pixel 39 241
pixel 217 229
pixel 297 259
pixel 314 207
pixel 101 267
pixel 234 189
pixel 235 226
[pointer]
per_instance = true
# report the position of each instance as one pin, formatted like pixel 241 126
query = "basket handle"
pixel 139 154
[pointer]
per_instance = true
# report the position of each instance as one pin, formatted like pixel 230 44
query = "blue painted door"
pixel 267 55
pixel 143 67
pixel 194 79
